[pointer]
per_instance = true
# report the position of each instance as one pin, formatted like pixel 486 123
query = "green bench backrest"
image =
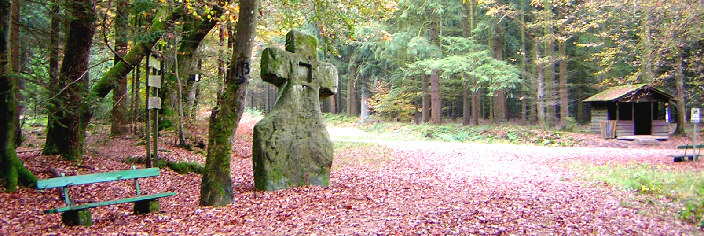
pixel 96 178
pixel 690 146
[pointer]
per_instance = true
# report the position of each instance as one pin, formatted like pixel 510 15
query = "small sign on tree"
pixel 695 115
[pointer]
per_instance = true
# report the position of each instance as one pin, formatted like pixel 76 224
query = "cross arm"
pixel 276 66
pixel 326 73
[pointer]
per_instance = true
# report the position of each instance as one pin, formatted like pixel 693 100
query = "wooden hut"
pixel 627 111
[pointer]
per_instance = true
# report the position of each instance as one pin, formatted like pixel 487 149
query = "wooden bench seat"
pixel 80 215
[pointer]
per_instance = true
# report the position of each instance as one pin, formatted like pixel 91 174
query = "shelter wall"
pixel 661 128
pixel 625 128
pixel 599 114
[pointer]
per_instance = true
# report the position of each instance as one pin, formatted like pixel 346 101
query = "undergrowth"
pixel 178 167
pixel 683 187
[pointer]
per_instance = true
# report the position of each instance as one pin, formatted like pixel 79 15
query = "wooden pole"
pixel 147 158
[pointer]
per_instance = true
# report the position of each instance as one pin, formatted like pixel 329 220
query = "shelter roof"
pixel 629 93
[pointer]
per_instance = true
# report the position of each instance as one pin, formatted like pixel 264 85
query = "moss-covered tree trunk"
pixel 66 125
pixel 216 185
pixel 11 170
pixel 119 94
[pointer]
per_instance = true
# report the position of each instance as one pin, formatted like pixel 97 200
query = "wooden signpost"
pixel 153 104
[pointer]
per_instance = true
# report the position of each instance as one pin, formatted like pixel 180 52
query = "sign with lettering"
pixel 154 103
pixel 155 81
pixel 695 115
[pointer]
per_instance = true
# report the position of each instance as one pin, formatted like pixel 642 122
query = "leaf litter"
pixel 394 188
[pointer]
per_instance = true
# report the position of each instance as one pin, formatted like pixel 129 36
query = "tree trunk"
pixel 54 44
pixel 500 113
pixel 435 101
pixel 352 108
pixel 12 172
pixel 66 126
pixel 540 94
pixel 193 92
pixel 471 87
pixel 679 97
pixel 195 31
pixel 425 107
pixel 216 185
pixel 135 86
pixel 549 74
pixel 466 93
pixel 181 139
pixel 466 101
pixel 524 69
pixel 15 61
pixel 135 94
pixel 119 93
pixel 475 106
pixel 332 101
pixel 564 96
pixel 364 111
pixel 222 70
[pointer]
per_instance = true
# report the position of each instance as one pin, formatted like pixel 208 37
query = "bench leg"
pixel 146 206
pixel 77 217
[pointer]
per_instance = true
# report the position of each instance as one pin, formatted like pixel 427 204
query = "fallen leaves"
pixel 397 188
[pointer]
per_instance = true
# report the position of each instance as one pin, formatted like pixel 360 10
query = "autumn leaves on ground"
pixel 388 188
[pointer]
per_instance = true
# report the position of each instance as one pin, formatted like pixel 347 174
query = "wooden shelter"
pixel 630 110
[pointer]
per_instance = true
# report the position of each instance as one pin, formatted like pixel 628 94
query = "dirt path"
pixel 397 188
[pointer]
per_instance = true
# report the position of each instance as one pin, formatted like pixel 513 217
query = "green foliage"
pixel 392 104
pixel 336 119
pixel 180 167
pixel 686 188
pixel 184 167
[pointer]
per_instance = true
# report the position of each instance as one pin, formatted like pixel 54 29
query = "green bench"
pixel 688 157
pixel 72 214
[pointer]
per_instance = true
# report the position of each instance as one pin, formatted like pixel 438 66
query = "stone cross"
pixel 291 145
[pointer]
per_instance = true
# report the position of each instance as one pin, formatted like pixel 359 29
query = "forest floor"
pixel 384 188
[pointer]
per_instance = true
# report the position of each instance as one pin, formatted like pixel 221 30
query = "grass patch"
pixel 686 188
pixel 490 134
pixel 178 167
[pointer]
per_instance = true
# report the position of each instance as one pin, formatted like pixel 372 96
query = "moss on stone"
pixel 291 145
pixel 77 217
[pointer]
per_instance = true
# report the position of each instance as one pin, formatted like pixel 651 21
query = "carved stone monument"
pixel 291 145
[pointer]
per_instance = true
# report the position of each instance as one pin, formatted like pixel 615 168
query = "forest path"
pixel 500 188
